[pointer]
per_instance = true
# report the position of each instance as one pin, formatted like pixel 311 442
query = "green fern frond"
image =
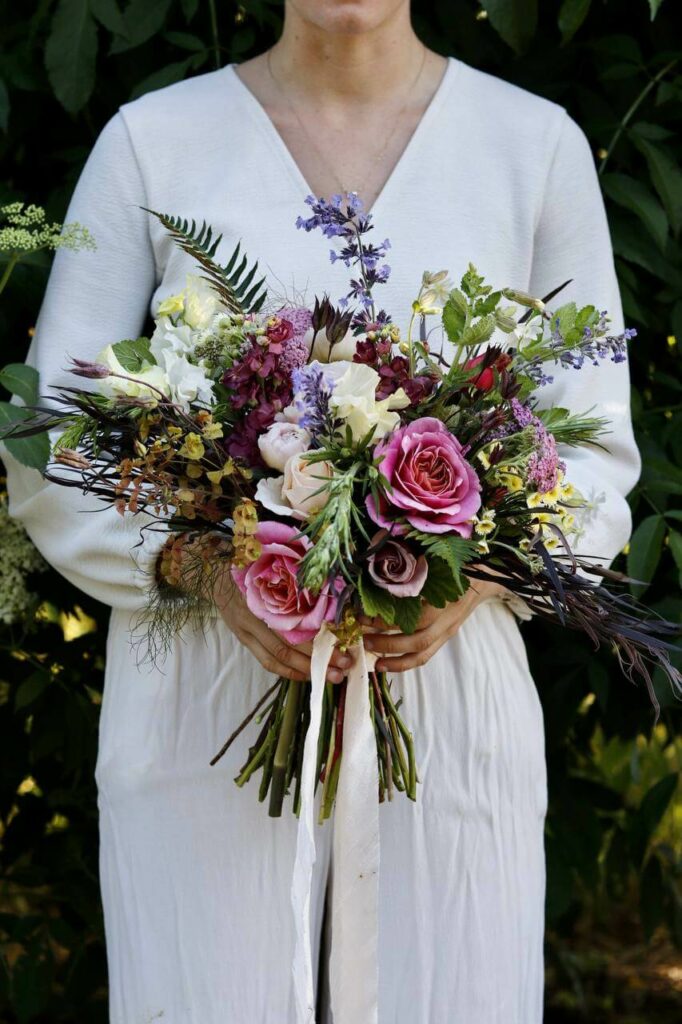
pixel 233 282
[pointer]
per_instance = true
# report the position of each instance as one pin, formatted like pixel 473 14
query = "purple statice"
pixel 312 390
pixel 342 217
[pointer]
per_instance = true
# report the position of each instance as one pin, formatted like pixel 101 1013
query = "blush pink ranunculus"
pixel 271 591
pixel 432 485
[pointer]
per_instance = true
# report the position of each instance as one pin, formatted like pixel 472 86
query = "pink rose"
pixel 271 591
pixel 394 568
pixel 432 484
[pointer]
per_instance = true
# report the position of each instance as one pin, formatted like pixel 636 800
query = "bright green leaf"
pixel 71 52
pixel 21 380
pixel 654 7
pixel 133 354
pixel 514 20
pixel 645 552
pixel 454 314
pixel 375 601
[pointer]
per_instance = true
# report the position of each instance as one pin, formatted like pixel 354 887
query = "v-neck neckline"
pixel 270 131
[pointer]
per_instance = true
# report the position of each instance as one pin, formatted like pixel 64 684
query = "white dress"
pixel 195 875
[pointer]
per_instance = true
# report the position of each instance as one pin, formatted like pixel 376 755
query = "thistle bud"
pixel 93 371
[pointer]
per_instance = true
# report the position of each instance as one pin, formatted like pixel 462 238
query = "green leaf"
pixel 651 896
pixel 185 40
pixel 487 305
pixel 572 14
pixel 21 380
pixel 407 611
pixel 455 551
pixel 70 53
pixel 30 689
pixel 514 20
pixel 478 332
pixel 33 452
pixel 134 354
pixel 454 314
pixel 142 19
pixel 649 814
pixel 635 196
pixel 167 75
pixel 645 552
pixel 4 106
pixel 654 7
pixel 375 601
pixel 441 586
pixel 109 14
pixel 675 543
pixel 189 8
pixel 666 177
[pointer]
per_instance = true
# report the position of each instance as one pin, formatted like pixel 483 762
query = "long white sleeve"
pixel 92 299
pixel 572 240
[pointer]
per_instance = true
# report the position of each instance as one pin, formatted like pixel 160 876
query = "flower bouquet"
pixel 337 467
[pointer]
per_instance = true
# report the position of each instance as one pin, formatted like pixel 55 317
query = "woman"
pixel 455 166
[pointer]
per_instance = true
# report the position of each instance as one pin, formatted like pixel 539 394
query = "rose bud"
pixel 394 568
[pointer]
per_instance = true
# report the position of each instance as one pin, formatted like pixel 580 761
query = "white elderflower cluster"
pixel 18 558
pixel 26 229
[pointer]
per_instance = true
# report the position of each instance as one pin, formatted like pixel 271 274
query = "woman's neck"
pixel 351 67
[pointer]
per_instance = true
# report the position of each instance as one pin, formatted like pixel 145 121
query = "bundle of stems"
pixel 277 752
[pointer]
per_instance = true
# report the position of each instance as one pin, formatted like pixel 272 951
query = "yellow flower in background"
pixel 212 430
pixel 216 475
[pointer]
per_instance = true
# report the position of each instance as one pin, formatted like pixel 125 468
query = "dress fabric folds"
pixel 195 876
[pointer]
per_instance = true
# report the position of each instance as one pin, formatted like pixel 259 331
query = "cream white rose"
pixel 201 303
pixel 303 484
pixel 353 398
pixel 280 442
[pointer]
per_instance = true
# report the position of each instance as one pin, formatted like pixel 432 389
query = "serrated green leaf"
pixel 487 305
pixel 441 585
pixel 33 452
pixel 375 601
pixel 572 14
pixel 71 52
pixel 515 21
pixel 407 611
pixel 479 331
pixel 21 380
pixel 645 552
pixel 454 314
pixel 133 354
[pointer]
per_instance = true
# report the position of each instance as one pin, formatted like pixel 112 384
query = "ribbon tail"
pixel 355 882
pixel 301 885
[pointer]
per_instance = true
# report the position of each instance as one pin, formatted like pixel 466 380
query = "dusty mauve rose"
pixel 271 591
pixel 394 568
pixel 431 483
pixel 280 441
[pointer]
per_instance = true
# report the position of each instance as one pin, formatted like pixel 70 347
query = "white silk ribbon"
pixel 354 911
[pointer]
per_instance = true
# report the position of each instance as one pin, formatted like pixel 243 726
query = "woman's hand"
pixel 435 628
pixel 269 648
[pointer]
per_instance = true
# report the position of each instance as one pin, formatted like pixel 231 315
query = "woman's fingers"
pixel 414 659
pixel 268 660
pixel 289 655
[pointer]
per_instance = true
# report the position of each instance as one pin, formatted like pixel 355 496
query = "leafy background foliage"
pixel 614 831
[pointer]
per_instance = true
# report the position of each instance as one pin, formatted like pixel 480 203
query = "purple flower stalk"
pixel 312 389
pixel 342 217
